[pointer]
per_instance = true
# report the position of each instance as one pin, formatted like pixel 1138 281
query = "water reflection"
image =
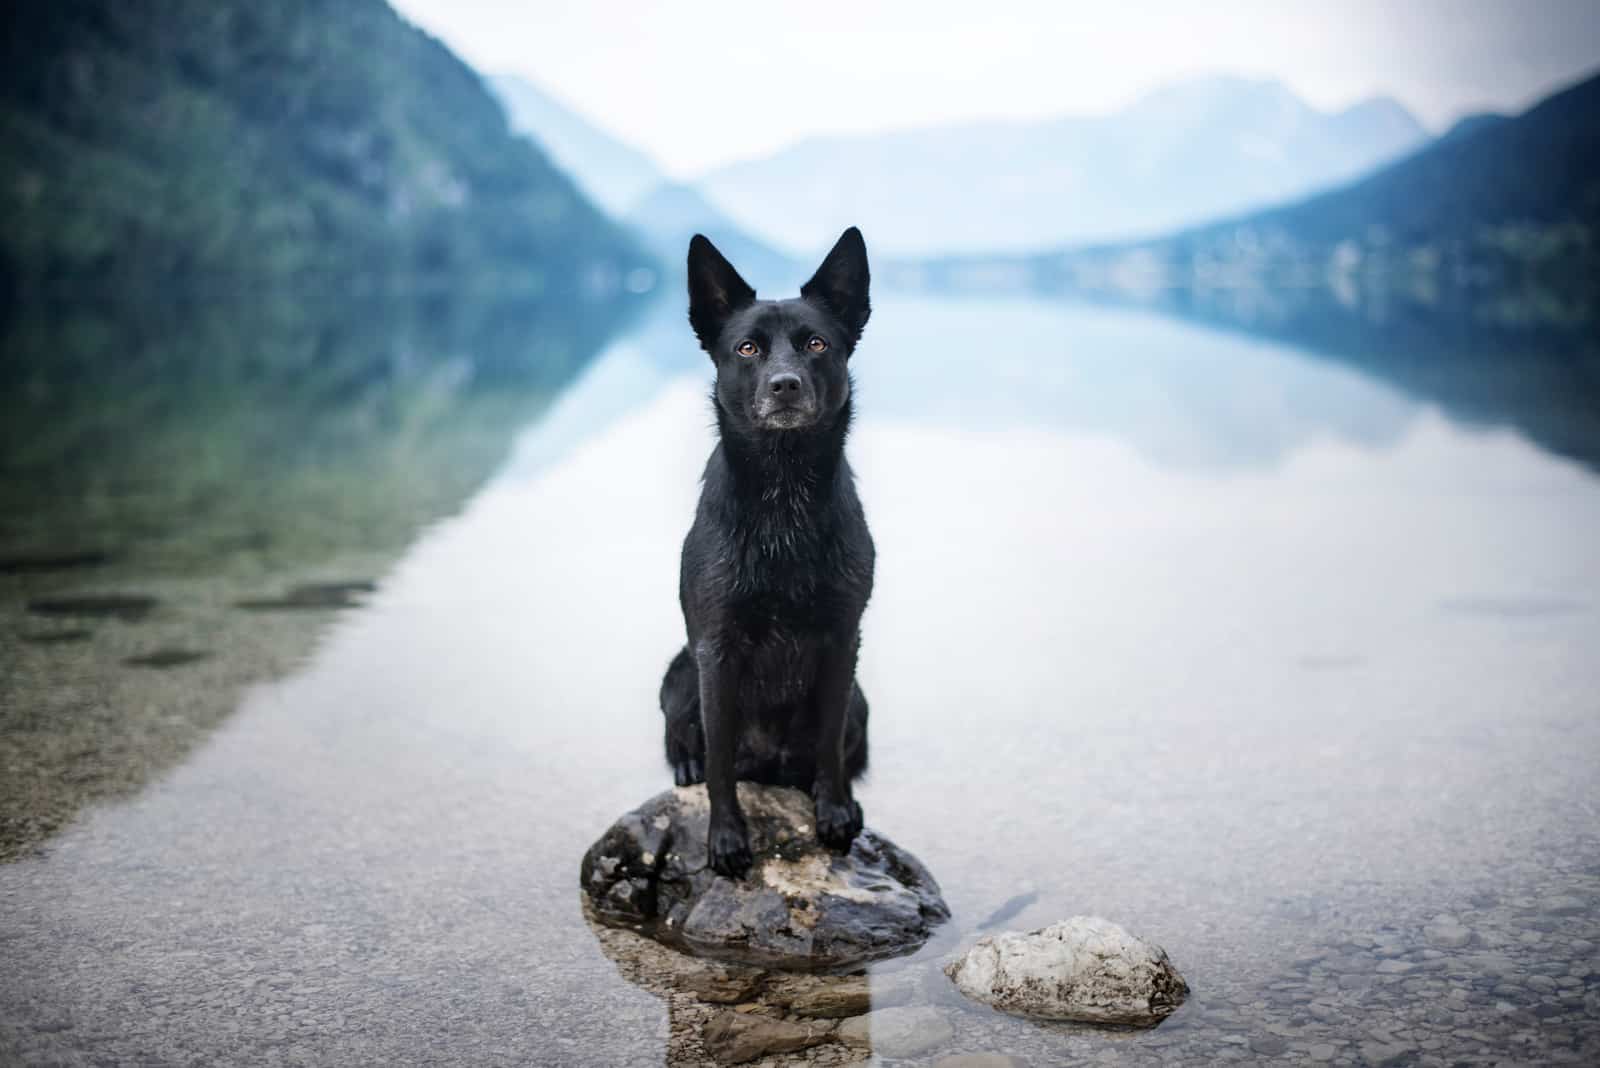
pixel 285 426
pixel 1518 361
pixel 1281 665
pixel 1186 399
pixel 170 467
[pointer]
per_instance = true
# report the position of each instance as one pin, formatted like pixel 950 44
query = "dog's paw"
pixel 838 823
pixel 688 772
pixel 728 850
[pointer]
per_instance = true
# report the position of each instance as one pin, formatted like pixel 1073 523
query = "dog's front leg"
pixel 838 815
pixel 728 844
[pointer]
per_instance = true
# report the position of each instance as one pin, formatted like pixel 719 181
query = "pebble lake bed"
pixel 1283 668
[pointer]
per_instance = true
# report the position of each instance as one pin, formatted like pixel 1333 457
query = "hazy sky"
pixel 700 83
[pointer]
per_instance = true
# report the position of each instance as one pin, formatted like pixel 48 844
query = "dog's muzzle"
pixel 787 403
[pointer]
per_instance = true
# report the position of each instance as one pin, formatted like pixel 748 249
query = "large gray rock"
pixel 800 907
pixel 1086 969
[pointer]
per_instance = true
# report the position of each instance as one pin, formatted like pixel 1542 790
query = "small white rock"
pixel 1085 968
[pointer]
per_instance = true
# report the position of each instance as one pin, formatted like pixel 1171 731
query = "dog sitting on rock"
pixel 777 567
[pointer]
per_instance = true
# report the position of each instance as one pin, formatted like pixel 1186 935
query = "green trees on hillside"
pixel 209 140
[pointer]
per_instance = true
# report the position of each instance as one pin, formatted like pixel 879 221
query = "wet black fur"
pixel 777 567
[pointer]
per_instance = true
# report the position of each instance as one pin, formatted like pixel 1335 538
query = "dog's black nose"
pixel 784 383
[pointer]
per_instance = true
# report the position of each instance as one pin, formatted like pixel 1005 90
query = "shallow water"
pixel 1270 661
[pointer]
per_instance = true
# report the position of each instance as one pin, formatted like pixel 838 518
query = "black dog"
pixel 778 565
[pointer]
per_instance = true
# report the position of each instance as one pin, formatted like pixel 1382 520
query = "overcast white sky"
pixel 696 84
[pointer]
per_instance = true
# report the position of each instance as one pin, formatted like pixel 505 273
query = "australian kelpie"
pixel 777 567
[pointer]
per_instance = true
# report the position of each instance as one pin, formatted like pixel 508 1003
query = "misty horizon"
pixel 698 92
pixel 1186 83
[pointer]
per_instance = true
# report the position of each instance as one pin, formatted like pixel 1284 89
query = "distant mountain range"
pixel 1505 206
pixel 214 141
pixel 1499 219
pixel 1182 154
pixel 662 212
pixel 614 173
pixel 671 213
pixel 1538 169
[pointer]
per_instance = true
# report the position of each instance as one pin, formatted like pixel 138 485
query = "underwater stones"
pixel 1085 969
pixel 800 907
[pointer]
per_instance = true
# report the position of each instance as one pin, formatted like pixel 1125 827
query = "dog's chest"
pixel 778 663
pixel 781 535
pixel 784 552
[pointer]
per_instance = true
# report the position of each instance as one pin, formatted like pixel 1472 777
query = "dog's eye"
pixel 817 344
pixel 748 348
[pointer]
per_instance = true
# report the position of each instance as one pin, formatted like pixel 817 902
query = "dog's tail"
pixel 680 708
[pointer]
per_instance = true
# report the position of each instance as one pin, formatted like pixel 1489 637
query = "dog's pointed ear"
pixel 715 290
pixel 841 283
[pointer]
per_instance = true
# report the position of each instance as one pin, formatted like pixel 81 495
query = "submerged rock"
pixel 128 607
pixel 59 637
pixel 1085 969
pixel 166 658
pixel 732 1037
pixel 313 595
pixel 897 1032
pixel 812 1001
pixel 820 996
pixel 800 907
pixel 714 981
pixel 29 563
pixel 1449 935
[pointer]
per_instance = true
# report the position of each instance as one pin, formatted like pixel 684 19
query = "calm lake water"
pixel 1286 665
